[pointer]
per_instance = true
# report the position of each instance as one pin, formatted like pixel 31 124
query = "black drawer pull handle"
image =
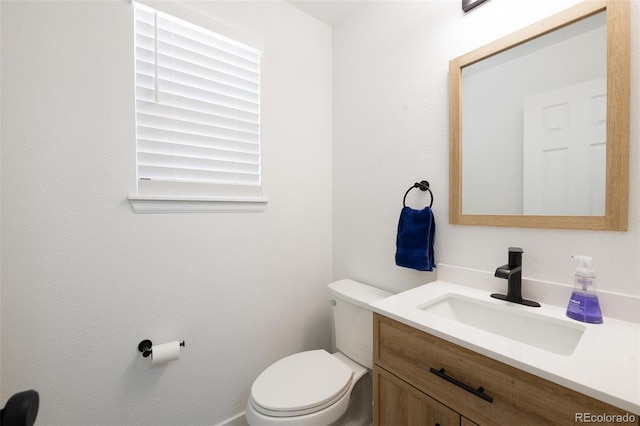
pixel 477 392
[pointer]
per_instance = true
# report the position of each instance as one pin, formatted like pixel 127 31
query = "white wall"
pixel 84 279
pixel 391 129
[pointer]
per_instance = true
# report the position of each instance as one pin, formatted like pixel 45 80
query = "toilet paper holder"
pixel 146 347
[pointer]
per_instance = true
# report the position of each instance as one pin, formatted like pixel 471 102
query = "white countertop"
pixel 604 365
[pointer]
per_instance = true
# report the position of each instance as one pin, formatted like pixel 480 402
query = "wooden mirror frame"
pixel 617 151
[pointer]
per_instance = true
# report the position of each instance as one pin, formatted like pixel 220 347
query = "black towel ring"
pixel 424 186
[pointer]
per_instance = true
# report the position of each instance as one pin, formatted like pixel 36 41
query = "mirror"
pixel 517 154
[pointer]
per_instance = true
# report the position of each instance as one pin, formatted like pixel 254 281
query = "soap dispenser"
pixel 583 304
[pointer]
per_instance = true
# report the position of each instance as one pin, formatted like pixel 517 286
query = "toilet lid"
pixel 300 384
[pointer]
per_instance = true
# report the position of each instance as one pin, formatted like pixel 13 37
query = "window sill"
pixel 174 204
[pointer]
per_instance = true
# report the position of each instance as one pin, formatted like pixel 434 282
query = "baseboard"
pixel 238 420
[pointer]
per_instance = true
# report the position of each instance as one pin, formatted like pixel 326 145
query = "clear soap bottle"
pixel 583 304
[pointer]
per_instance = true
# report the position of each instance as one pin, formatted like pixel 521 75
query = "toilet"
pixel 318 388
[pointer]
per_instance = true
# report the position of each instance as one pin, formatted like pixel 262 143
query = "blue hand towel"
pixel 416 234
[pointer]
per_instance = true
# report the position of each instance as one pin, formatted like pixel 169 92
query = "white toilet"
pixel 317 388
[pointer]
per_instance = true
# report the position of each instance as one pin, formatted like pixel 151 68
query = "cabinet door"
pixel 399 404
pixel 466 422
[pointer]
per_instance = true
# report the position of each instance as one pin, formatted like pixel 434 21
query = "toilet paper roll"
pixel 161 354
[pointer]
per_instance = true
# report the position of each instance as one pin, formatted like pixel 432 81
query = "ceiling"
pixel 328 11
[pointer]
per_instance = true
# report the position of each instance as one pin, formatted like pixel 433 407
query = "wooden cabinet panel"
pixel 400 404
pixel 516 396
pixel 466 422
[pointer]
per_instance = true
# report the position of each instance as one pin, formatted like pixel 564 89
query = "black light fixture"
pixel 467 5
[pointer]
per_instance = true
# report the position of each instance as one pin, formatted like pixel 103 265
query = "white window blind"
pixel 197 110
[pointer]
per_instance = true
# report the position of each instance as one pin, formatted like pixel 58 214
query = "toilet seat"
pixel 300 384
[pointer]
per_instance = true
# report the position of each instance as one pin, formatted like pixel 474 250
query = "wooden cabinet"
pixel 420 379
pixel 400 404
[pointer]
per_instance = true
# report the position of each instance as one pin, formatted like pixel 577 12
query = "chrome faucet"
pixel 512 272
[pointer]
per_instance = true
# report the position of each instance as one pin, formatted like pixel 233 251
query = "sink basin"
pixel 513 322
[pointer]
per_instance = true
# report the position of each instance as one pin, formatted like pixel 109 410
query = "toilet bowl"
pixel 317 387
pixel 307 388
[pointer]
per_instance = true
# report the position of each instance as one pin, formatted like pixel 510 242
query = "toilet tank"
pixel 353 318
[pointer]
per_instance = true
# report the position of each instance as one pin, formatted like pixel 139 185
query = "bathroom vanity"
pixel 448 354
pixel 422 379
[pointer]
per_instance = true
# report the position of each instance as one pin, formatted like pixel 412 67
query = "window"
pixel 197 113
